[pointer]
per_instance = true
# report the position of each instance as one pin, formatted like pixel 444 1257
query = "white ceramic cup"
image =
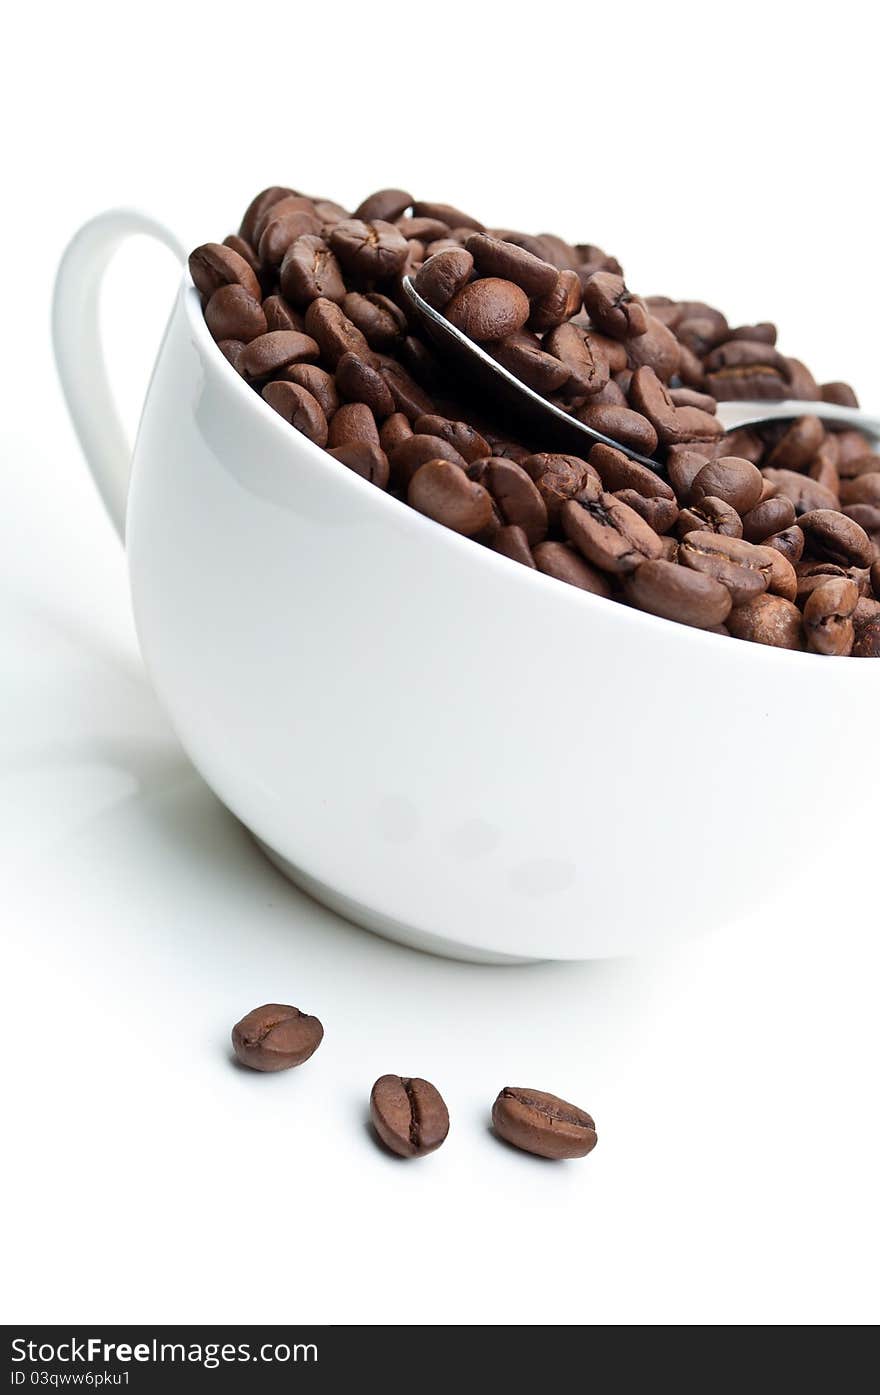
pixel 444 746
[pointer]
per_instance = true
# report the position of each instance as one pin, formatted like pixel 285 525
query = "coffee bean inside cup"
pixel 305 302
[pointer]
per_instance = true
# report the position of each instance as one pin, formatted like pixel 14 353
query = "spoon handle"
pixel 734 414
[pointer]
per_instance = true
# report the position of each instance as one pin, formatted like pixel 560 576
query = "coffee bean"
pixel 289 205
pixel 657 348
pixel 864 489
pixel 742 567
pixel 375 251
pixel 517 497
pixel 409 1115
pixel 296 405
pixel 560 560
pixel 543 1124
pixel 417 450
pixel 442 491
pixel 488 310
pixel 276 1037
pixel 281 233
pixel 737 482
pixel 271 352
pixel 393 431
pixel 769 516
pixel 560 303
pixel 233 313
pixel 386 205
pixel 797 446
pixel 612 308
pixel 769 620
pixel 839 393
pixel 279 315
pixel 559 478
pixel 318 382
pixel 832 536
pixel 661 514
pixel 667 589
pixel 493 257
pixel 409 398
pixel 618 472
pixel 710 516
pixel 232 349
pixel 334 332
pixel 806 494
pixel 621 424
pixel 512 542
pixel 466 439
pixel 213 265
pixel 380 321
pixel 442 276
pixel 353 421
pixel 364 458
pixel 674 425
pixel 527 361
pixel 828 616
pixel 265 200
pixel 609 533
pixel 586 363
pixel 426 231
pixel 448 214
pixel 359 382
pixel 310 272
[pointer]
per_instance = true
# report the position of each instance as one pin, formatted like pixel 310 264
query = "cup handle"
pixel 79 356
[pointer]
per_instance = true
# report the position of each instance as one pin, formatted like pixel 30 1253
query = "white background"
pixel 734 1082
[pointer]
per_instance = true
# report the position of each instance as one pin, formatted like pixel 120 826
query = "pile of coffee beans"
pixel 770 535
pixel 408 1114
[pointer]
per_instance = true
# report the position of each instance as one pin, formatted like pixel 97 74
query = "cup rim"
pixel 516 573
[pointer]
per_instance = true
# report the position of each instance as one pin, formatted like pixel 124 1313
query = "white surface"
pixel 732 1082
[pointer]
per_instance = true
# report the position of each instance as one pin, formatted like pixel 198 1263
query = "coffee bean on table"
pixel 276 1037
pixel 409 1115
pixel 540 1123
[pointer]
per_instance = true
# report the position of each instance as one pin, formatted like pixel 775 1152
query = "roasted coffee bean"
pixel 233 313
pixel 417 450
pixel 839 393
pixel 618 472
pixel 661 514
pixel 512 542
pixel 409 398
pixel 353 421
pixel 488 310
pixel 272 352
pixel 232 349
pixel 279 315
pixel 375 251
pixel 866 641
pixel 797 446
pixel 621 424
pixel 612 308
pixel 316 381
pixel 528 362
pixel 385 204
pixel 290 204
pixel 710 516
pixel 493 257
pixel 276 1037
pixel 266 199
pixel 737 482
pixel 394 430
pixel 466 439
pixel 587 365
pixel 380 321
pixel 559 478
pixel 213 265
pixel 442 276
pixel 674 592
pixel 334 332
pixel 675 426
pixel 864 489
pixel 560 303
pixel 687 397
pixel 875 578
pixel 609 533
pixel 543 1124
pixel 806 494
pixel 517 497
pixel 310 272
pixel 683 464
pixel 409 1115
pixel 446 213
pixel 771 515
pixel 281 233
pixel 365 458
pixel 828 616
pixel 560 560
pixel 359 382
pixel 769 620
pixel 443 491
pixel 657 348
pixel 426 231
pixel 836 538
pixel 852 466
pixel 297 405
pixel 790 542
pixel 740 566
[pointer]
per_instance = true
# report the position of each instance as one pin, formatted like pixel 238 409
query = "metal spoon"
pixel 557 427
